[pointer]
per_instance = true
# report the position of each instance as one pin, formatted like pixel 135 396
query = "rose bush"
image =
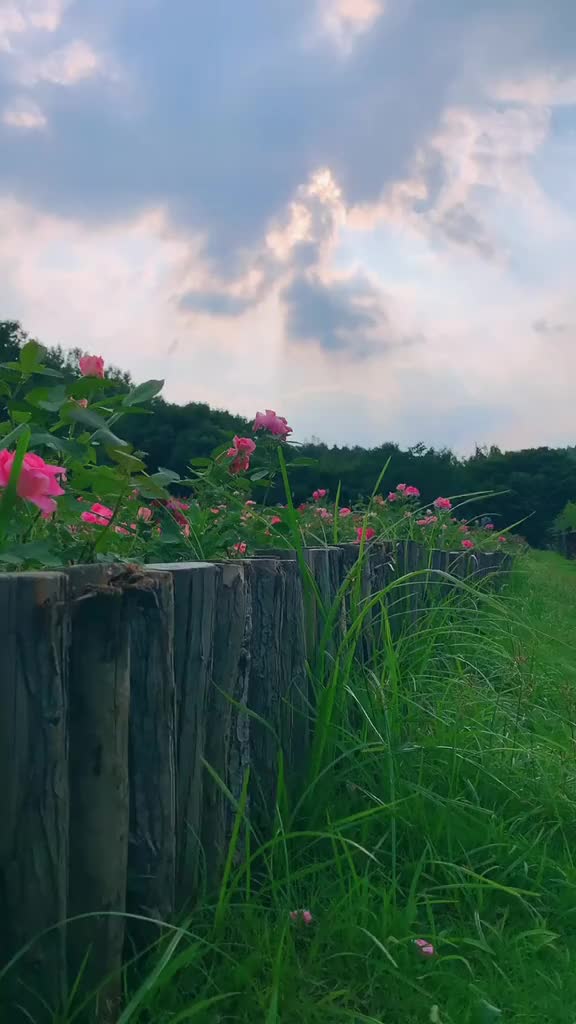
pixel 72 490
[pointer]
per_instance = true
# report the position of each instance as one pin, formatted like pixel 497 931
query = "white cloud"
pixel 344 20
pixel 23 113
pixel 20 16
pixel 66 66
pixel 545 89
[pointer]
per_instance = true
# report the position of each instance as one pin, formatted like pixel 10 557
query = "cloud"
pixel 66 66
pixel 18 17
pixel 293 189
pixel 340 315
pixel 547 327
pixel 23 114
pixel 343 21
pixel 461 225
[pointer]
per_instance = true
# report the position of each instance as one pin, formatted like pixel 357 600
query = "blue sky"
pixel 361 213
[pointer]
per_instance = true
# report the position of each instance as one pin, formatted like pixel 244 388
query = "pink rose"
pixel 345 512
pixel 368 534
pixel 244 444
pixel 241 464
pixel 489 526
pixel 443 503
pixel 303 915
pixel 240 548
pixel 275 520
pixel 319 494
pixel 91 366
pixel 270 421
pixel 144 514
pixel 303 507
pixel 412 492
pixel 243 448
pixel 392 496
pixel 99 514
pixel 468 544
pixel 501 540
pixel 428 521
pixel 82 402
pixel 249 503
pixel 38 481
pixel 426 948
pixel 401 488
pixel 463 528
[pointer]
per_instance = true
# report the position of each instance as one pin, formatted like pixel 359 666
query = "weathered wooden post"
pixel 296 707
pixel 410 557
pixel 267 672
pixel 99 792
pixel 34 636
pixel 152 841
pixel 437 587
pixel 226 749
pixel 195 591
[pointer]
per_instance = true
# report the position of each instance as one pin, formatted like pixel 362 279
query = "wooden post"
pixel 152 842
pixel 266 675
pixel 34 636
pixel 195 590
pixel 410 558
pixel 382 570
pixel 227 746
pixel 296 708
pixel 99 817
pixel 437 587
pixel 358 586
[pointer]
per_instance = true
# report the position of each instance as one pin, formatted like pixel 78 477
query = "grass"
pixel 443 806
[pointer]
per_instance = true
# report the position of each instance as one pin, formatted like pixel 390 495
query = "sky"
pixel 359 213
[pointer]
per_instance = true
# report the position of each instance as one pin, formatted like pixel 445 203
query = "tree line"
pixel 529 487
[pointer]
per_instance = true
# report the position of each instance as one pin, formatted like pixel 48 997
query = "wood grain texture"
pixel 227 743
pixel 267 672
pixel 99 791
pixel 297 709
pixel 195 591
pixel 152 840
pixel 34 637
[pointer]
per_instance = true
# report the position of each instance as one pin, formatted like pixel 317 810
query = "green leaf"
pixel 165 476
pixel 33 551
pixel 31 356
pixel 302 462
pixel 259 474
pixel 486 1013
pixel 204 463
pixel 53 399
pixel 149 488
pixel 144 392
pixel 92 419
pixel 127 461
pixel 87 417
pixel 21 417
pixel 58 444
pixel 13 435
pixel 108 438
pixel 87 387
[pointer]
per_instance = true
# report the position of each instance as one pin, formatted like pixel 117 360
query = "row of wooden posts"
pixel 124 694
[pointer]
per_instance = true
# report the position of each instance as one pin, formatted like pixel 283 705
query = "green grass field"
pixel 442 806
